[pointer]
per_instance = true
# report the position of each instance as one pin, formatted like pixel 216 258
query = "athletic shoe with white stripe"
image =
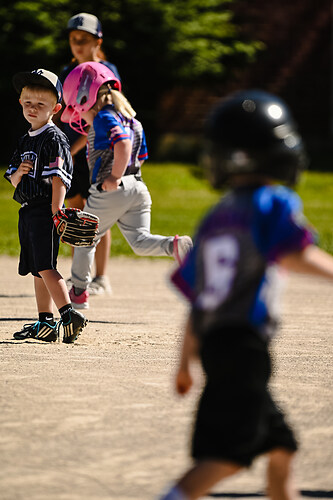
pixel 181 246
pixel 74 326
pixel 40 330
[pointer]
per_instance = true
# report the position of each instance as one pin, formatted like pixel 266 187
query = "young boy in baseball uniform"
pixel 41 171
pixel 116 151
pixel 231 278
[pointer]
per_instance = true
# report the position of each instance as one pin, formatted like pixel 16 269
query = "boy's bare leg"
pixel 279 475
pixel 103 253
pixel 76 202
pixel 43 298
pixel 204 475
pixel 56 287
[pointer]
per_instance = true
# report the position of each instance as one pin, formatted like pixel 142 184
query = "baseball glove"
pixel 75 227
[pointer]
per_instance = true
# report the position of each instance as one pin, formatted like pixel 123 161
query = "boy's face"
pixel 84 46
pixel 38 106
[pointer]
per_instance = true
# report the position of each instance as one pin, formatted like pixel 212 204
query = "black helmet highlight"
pixel 253 132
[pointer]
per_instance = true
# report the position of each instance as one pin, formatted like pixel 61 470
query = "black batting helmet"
pixel 253 132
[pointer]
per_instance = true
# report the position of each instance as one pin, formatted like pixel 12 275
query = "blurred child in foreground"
pixel 232 278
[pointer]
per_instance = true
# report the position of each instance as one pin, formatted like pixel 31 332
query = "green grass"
pixel 316 191
pixel 180 198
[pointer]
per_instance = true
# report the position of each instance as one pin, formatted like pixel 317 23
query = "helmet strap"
pixel 77 124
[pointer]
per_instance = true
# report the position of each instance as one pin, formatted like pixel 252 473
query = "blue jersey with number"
pixel 231 276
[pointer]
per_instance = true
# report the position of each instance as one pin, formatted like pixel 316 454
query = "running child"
pixel 41 171
pixel 231 278
pixel 85 37
pixel 116 151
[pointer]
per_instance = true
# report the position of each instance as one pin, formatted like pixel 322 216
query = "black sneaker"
pixel 40 330
pixel 74 327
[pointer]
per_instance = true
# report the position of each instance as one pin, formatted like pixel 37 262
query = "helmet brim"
pixel 22 79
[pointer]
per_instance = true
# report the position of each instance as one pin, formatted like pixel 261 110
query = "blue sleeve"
pixel 143 153
pixel 279 226
pixel 108 130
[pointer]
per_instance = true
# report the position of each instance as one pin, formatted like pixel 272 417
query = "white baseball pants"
pixel 130 208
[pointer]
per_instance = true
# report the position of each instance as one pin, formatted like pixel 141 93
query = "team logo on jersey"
pixel 116 131
pixel 30 156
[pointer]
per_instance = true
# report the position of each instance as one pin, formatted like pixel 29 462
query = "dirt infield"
pixel 99 420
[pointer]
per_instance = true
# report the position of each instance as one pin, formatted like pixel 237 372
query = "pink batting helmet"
pixel 80 91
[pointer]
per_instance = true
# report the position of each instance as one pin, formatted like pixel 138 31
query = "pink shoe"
pixel 79 301
pixel 181 246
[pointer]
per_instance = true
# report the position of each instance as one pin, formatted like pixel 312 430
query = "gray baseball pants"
pixel 130 208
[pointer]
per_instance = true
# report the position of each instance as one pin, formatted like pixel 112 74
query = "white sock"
pixel 174 494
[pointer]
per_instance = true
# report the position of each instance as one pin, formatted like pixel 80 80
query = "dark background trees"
pixel 154 43
pixel 178 57
pixel 296 63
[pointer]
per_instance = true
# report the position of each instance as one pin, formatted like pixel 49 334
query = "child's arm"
pixel 311 260
pixel 122 156
pixel 189 352
pixel 58 194
pixel 23 169
pixel 78 144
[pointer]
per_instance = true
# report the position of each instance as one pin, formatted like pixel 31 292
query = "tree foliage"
pixel 154 43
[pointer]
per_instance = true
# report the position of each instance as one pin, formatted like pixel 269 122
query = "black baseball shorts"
pixel 39 240
pixel 80 180
pixel 237 420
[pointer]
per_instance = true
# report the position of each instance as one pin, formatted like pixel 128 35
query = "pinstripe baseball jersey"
pixel 231 276
pixel 48 149
pixel 110 127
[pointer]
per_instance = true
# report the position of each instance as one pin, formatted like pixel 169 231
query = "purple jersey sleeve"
pixel 184 277
pixel 276 226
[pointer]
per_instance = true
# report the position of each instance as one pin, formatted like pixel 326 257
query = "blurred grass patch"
pixel 181 196
pixel 316 191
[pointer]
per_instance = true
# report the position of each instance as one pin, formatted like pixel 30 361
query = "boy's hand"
pixel 58 219
pixel 183 382
pixel 25 167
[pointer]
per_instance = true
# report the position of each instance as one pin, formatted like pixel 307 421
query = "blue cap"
pixel 86 22
pixel 40 77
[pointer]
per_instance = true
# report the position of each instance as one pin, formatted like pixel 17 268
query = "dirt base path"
pixel 99 420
